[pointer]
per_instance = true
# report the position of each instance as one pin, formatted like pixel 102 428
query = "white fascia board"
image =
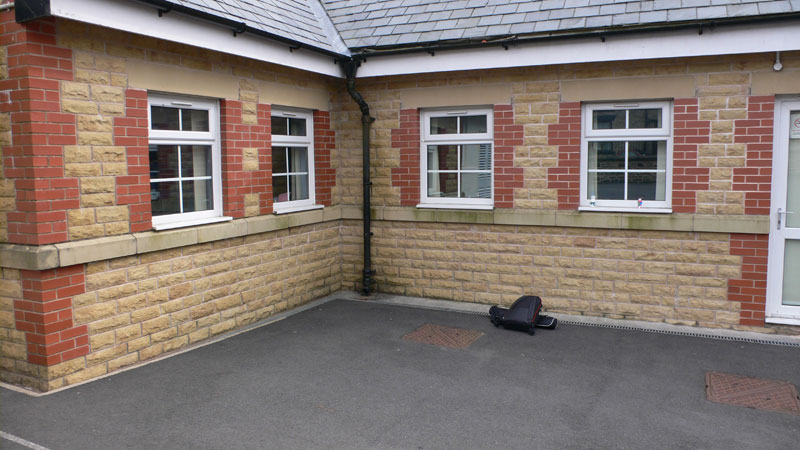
pixel 724 40
pixel 134 17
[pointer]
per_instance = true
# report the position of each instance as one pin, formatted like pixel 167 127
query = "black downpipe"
pixel 350 67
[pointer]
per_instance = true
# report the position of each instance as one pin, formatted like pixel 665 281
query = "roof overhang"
pixel 728 39
pixel 145 19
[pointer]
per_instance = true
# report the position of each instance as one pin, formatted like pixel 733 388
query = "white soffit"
pixel 729 39
pixel 143 19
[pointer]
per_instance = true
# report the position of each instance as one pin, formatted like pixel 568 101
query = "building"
pixel 173 170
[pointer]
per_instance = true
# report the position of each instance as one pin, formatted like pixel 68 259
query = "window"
pixel 184 155
pixel 457 158
pixel 626 157
pixel 292 160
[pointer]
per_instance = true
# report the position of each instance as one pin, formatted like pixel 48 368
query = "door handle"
pixel 782 213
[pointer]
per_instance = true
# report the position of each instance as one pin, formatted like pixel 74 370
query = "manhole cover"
pixel 758 393
pixel 443 336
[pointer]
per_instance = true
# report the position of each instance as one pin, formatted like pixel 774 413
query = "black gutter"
pixel 350 67
pixel 165 7
pixel 361 53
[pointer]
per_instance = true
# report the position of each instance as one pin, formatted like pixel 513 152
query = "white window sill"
pixel 625 210
pixel 454 206
pixel 291 209
pixel 190 223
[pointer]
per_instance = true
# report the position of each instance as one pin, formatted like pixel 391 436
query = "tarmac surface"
pixel 340 376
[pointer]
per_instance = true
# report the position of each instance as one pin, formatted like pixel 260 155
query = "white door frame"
pixel 775 311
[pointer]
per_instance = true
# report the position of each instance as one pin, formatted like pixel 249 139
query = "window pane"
pixel 163 161
pixel 443 185
pixel 298 187
pixel 298 159
pixel 195 160
pixel 644 118
pixel 442 157
pixel 163 118
pixel 165 198
pixel 607 186
pixel 473 124
pixel 606 155
pixel 444 125
pixel 793 180
pixel 791 267
pixel 476 185
pixel 280 125
pixel 643 185
pixel 280 189
pixel 648 155
pixel 476 157
pixel 197 196
pixel 608 119
pixel 297 127
pixel 279 160
pixel 194 119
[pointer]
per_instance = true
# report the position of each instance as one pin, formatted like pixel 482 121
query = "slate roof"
pixel 376 23
pixel 302 20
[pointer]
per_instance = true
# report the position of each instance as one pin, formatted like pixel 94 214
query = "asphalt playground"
pixel 340 376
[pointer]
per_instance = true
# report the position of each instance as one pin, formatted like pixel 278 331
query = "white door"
pixel 783 271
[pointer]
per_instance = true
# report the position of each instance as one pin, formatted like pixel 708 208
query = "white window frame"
pixel 297 141
pixel 664 133
pixel 427 138
pixel 173 137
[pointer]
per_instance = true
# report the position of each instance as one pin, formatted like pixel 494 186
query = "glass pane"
pixel 299 187
pixel 194 119
pixel 791 267
pixel 163 161
pixel 476 157
pixel 197 196
pixel 473 124
pixel 476 185
pixel 165 198
pixel 279 160
pixel 607 186
pixel 444 125
pixel 647 155
pixel 280 125
pixel 163 118
pixel 793 185
pixel 297 127
pixel 442 185
pixel 608 119
pixel 644 118
pixel 280 189
pixel 642 186
pixel 195 160
pixel 442 157
pixel 606 155
pixel 298 159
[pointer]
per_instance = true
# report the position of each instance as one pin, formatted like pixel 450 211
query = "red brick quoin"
pixel 324 143
pixel 751 289
pixel 131 132
pixel 35 159
pixel 688 133
pixel 507 136
pixel 756 132
pixel 566 175
pixel 45 315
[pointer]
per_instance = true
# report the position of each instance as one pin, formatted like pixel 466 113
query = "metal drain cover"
pixel 443 336
pixel 758 393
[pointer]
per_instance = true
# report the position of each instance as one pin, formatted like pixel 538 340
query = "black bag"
pixel 523 315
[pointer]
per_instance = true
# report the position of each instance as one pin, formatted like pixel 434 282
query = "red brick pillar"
pixel 233 182
pixel 35 158
pixel 45 315
pixel 132 132
pixel 756 132
pixel 689 133
pixel 566 175
pixel 507 136
pixel 406 139
pixel 324 143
